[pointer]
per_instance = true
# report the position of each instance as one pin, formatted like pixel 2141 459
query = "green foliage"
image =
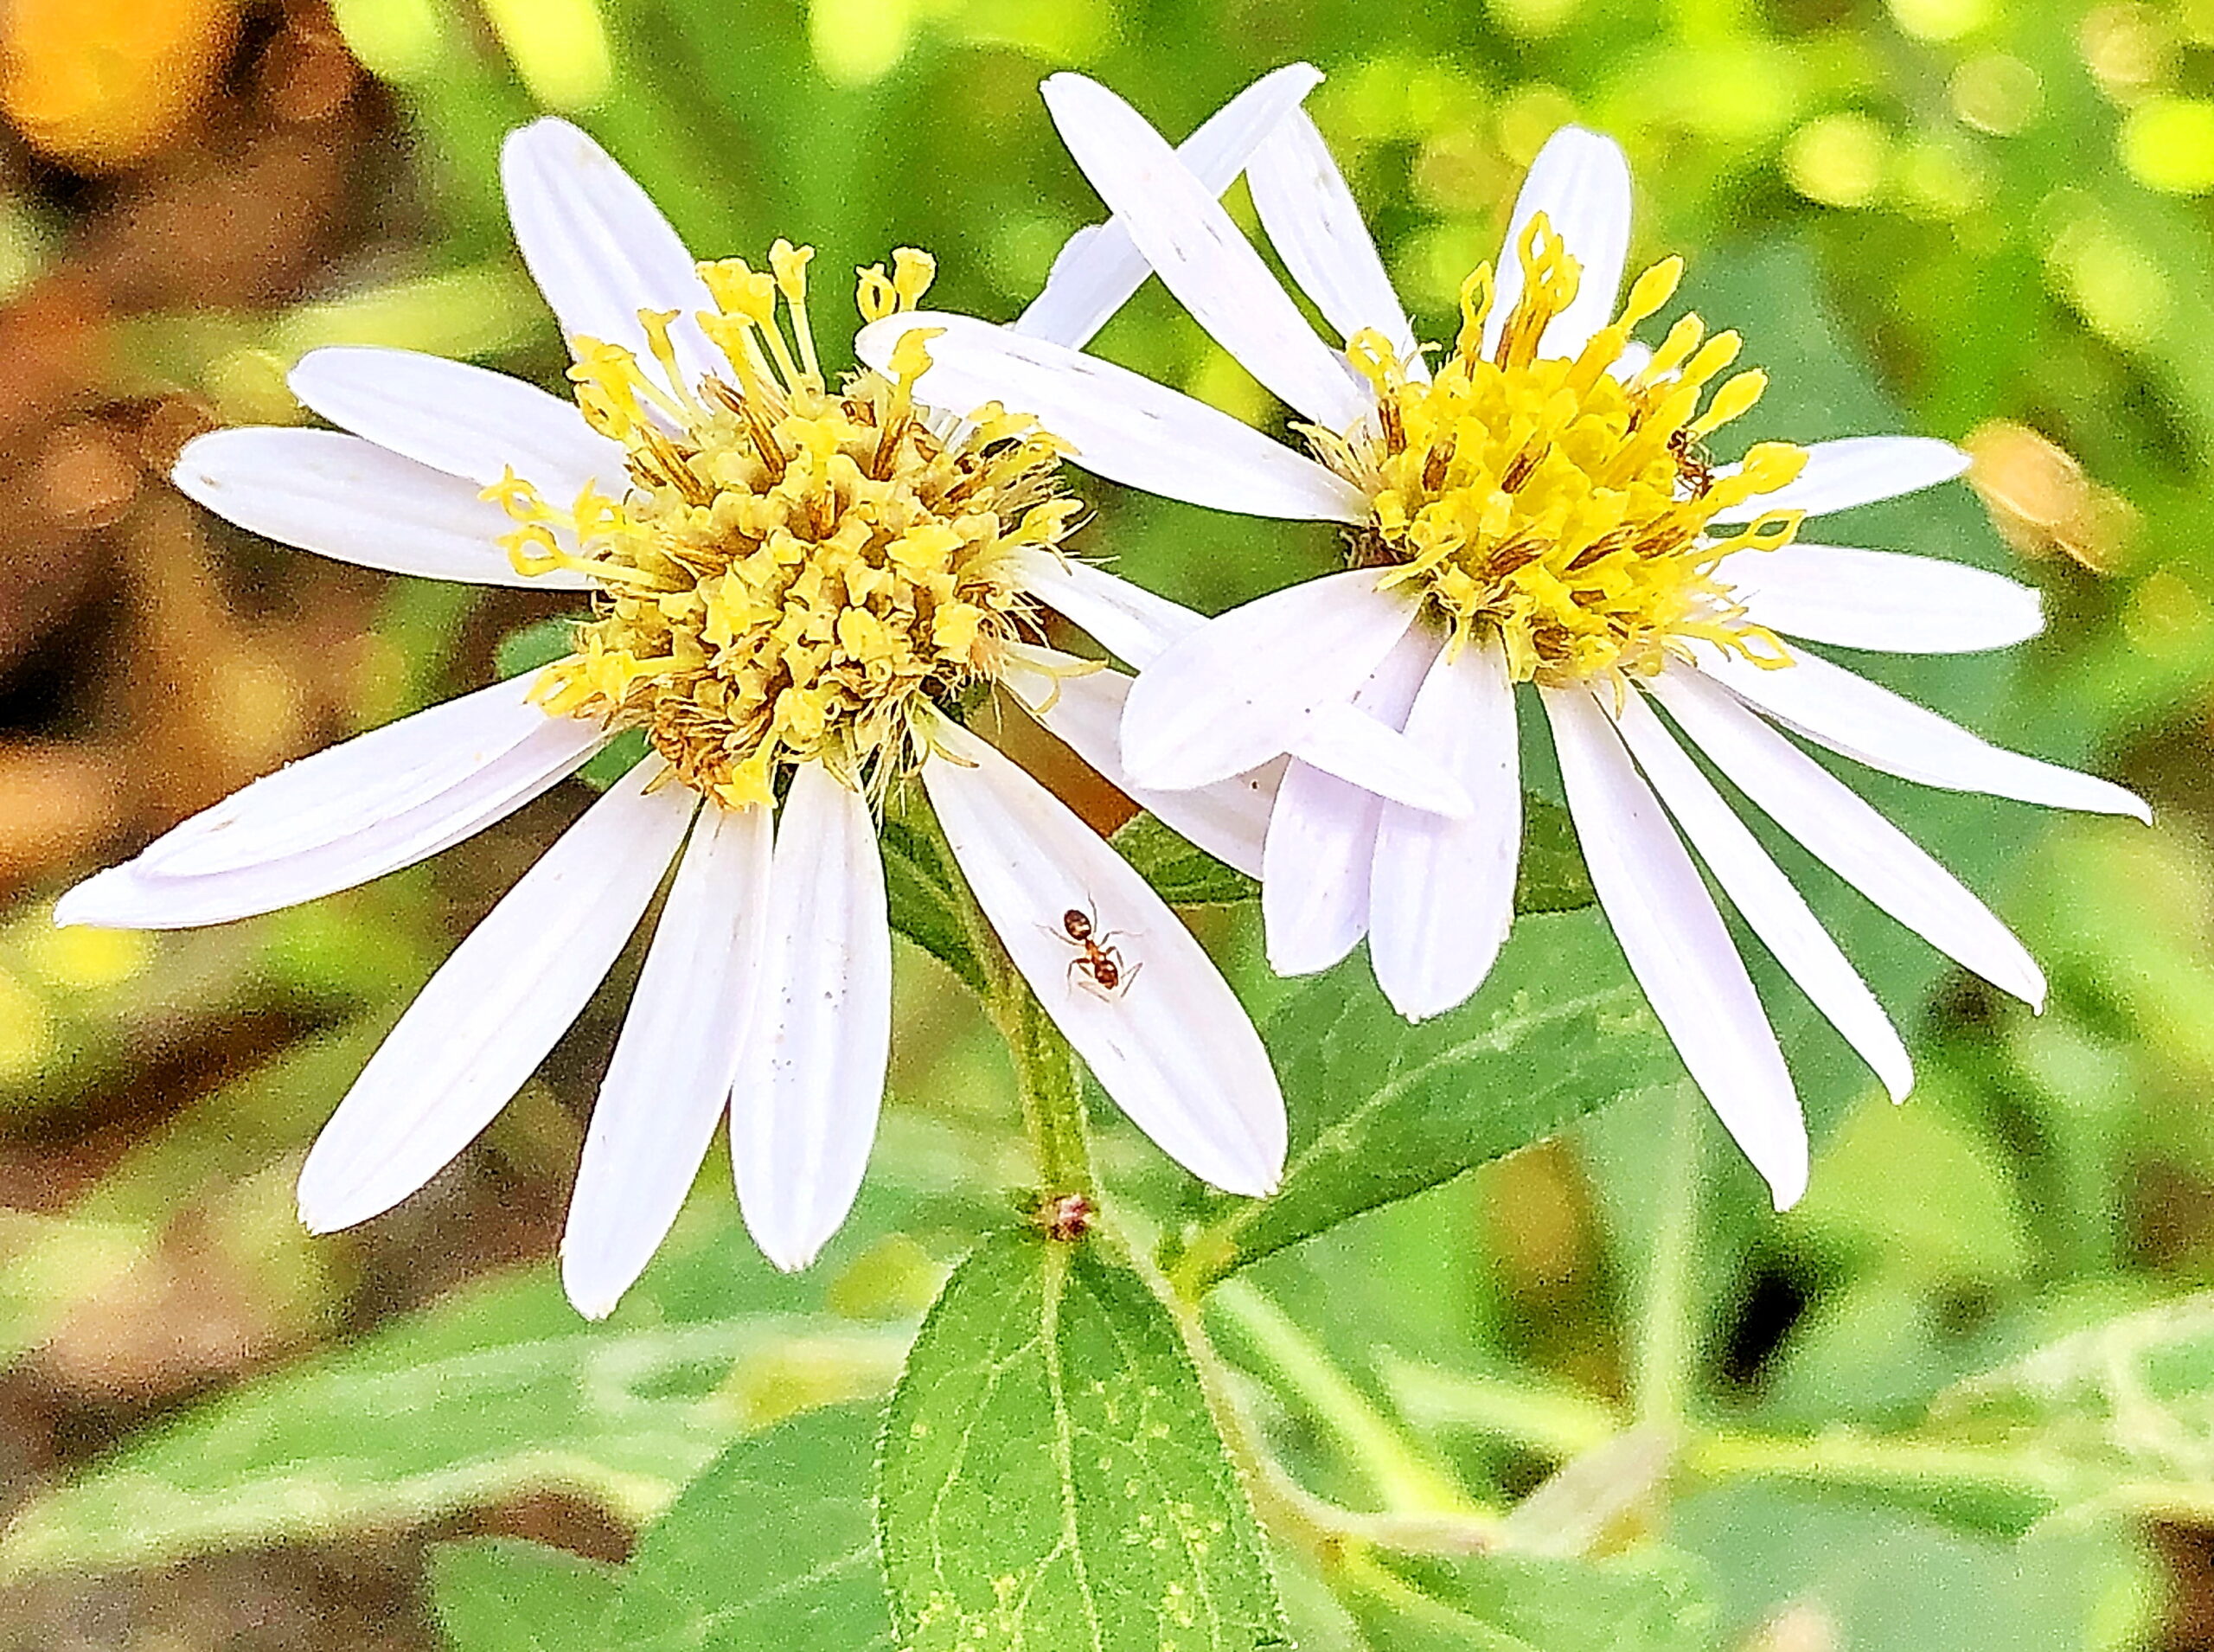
pixel 552 1404
pixel 1381 1109
pixel 2119 1414
pixel 1931 1409
pixel 1051 1469
pixel 533 647
pixel 770 1547
pixel 1550 876
pixel 1184 875
pixel 1789 1564
pixel 506 1595
pixel 1658 1602
pixel 927 893
pixel 500 1392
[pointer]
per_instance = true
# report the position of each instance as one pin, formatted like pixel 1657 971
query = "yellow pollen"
pixel 794 573
pixel 1562 504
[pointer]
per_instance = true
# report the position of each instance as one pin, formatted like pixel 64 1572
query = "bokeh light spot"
pixel 88 958
pixel 2167 144
pixel 559 47
pixel 856 42
pixel 1939 19
pixel 1998 93
pixel 2112 282
pixel 1838 160
pixel 400 40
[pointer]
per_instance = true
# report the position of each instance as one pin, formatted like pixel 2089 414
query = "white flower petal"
pixel 1841 830
pixel 1441 891
pixel 1119 424
pixel 1580 181
pixel 1127 620
pixel 1201 255
pixel 1314 863
pixel 1170 1043
pixel 339 495
pixel 803 1111
pixel 325 798
pixel 1124 427
pixel 1322 838
pixel 1676 944
pixel 1322 831
pixel 1857 471
pixel 1229 819
pixel 339 852
pixel 1245 687
pixel 673 1064
pixel 463 421
pixel 1766 899
pixel 1316 228
pixel 495 1007
pixel 1134 624
pixel 1881 599
pixel 1860 719
pixel 1344 740
pixel 597 246
pixel 1100 266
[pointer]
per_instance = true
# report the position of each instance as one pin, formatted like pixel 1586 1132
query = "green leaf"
pixel 791 1506
pixel 1381 1110
pixel 1799 1568
pixel 1051 1476
pixel 1182 875
pixel 1653 1601
pixel 2119 1415
pixel 503 1594
pixel 536 645
pixel 499 1392
pixel 927 897
pixel 1550 876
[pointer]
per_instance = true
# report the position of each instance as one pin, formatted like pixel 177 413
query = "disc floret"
pixel 796 572
pixel 1563 503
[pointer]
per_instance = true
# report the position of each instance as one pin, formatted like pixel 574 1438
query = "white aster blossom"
pixel 1533 503
pixel 800 591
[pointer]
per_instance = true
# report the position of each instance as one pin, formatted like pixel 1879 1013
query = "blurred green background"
pixel 1990 221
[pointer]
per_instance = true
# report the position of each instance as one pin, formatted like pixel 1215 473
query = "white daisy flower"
pixel 1536 505
pixel 800 593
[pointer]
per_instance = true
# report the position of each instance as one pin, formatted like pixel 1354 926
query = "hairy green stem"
pixel 1327 1531
pixel 1052 1095
pixel 1045 1075
pixel 1406 1479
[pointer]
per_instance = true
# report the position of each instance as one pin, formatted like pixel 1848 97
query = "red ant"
pixel 1693 465
pixel 1096 961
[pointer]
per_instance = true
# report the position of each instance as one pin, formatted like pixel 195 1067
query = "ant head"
pixel 1077 924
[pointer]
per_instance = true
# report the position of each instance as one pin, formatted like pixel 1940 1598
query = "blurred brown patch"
pixel 2044 502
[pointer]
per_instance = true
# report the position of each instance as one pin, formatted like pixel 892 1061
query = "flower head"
pixel 1542 508
pixel 794 573
pixel 1560 504
pixel 802 592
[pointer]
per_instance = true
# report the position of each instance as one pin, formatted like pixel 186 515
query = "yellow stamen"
pixel 1561 506
pixel 793 573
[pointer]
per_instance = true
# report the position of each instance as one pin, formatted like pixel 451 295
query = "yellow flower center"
pixel 794 573
pixel 1562 504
